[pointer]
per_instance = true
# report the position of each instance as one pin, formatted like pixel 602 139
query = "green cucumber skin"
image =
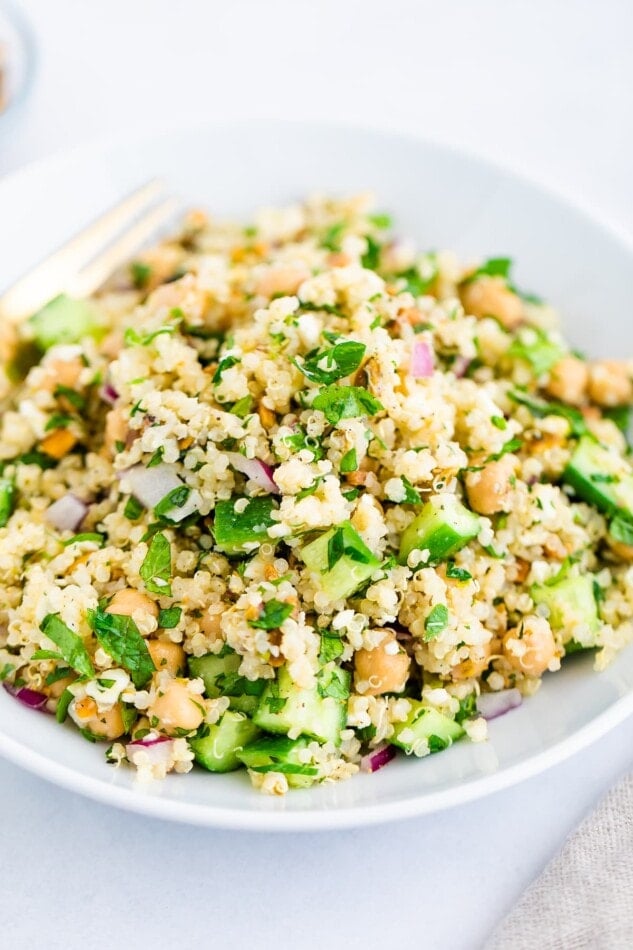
pixel 218 751
pixel 590 458
pixel 235 533
pixel 347 575
pixel 213 666
pixel 426 723
pixel 571 599
pixel 443 527
pixel 303 710
pixel 280 754
pixel 63 320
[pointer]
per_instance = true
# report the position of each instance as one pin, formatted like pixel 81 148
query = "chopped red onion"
pixel 67 513
pixel 460 366
pixel 421 360
pixel 151 485
pixel 108 393
pixel 492 705
pixel 377 758
pixel 257 472
pixel 28 697
pixel 158 748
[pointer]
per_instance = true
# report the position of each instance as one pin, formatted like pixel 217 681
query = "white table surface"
pixel 542 86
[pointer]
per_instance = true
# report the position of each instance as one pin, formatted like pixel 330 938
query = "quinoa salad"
pixel 296 498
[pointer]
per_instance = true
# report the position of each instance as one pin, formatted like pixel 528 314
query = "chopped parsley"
pixel 156 567
pixel 169 618
pixel 331 239
pixel 540 352
pixel 7 500
pixel 132 338
pixel 331 683
pixel 71 646
pixel 621 529
pixel 371 257
pixel 225 363
pixel 541 408
pixel 133 509
pixel 74 398
pixel 457 573
pixel 436 622
pixel 140 272
pixel 59 420
pixel 333 363
pixel 176 498
pixel 499 422
pixel 331 647
pixel 348 462
pixel 412 496
pixel 120 637
pixel 493 267
pixel 86 536
pixel 272 615
pixel 345 542
pixel 156 458
pixel 346 402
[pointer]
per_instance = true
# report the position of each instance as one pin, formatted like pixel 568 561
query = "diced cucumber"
pixel 279 754
pixel 217 750
pixel 340 560
pixel 7 500
pixel 219 672
pixel 571 603
pixel 242 531
pixel 319 713
pixel 536 348
pixel 63 320
pixel 600 477
pixel 424 728
pixel 443 527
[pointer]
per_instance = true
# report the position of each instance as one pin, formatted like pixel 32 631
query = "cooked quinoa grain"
pixel 281 496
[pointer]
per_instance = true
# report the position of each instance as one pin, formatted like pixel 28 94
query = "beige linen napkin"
pixel 584 898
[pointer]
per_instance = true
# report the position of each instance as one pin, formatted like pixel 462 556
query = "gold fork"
pixel 82 265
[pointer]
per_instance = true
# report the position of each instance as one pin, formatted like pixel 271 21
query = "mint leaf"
pixel 224 363
pixel 348 462
pixel 71 646
pixel 332 363
pixel 493 267
pixel 120 637
pixel 346 402
pixel 85 536
pixel 457 573
pixel 331 647
pixel 169 618
pixel 156 567
pixel 621 529
pixel 436 622
pixel 176 498
pixel 273 614
pixel 412 497
pixel 133 509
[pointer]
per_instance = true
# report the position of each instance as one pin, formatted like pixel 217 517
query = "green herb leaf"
pixel 132 338
pixel 243 406
pixel 541 408
pixel 457 573
pixel 56 675
pixel 59 420
pixel 169 618
pixel 371 258
pixel 176 498
pixel 273 614
pixel 85 536
pixel 156 567
pixel 74 398
pixel 133 509
pixel 435 622
pixel 156 458
pixel 120 637
pixel 346 402
pixel 332 647
pixel 37 458
pixel 381 221
pixel 467 708
pixel 493 267
pixel 224 363
pixel 330 683
pixel 348 462
pixel 412 496
pixel 346 542
pixel 499 422
pixel 513 445
pixel 621 529
pixel 140 272
pixel 329 365
pixel 71 646
pixel 331 240
pixel 64 702
pixel 7 500
pixel 540 352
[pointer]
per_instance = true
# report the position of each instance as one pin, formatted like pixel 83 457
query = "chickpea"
pixel 281 280
pixel 568 380
pixel 610 383
pixel 210 624
pixel 621 550
pixel 167 656
pixel 385 668
pixel 489 489
pixel 57 688
pixel 125 602
pixel 491 297
pixel 116 429
pixel 530 647
pixel 176 707
pixel 476 663
pixel 103 725
pixel 62 373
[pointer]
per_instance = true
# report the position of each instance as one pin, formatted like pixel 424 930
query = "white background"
pixel 543 86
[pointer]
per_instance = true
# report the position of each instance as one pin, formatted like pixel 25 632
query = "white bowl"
pixel 443 199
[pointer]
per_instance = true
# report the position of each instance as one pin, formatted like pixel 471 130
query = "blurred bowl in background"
pixel 17 58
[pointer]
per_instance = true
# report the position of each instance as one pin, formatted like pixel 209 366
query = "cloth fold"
pixel 583 900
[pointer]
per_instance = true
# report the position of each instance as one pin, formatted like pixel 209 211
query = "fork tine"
pixel 53 274
pixel 94 275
